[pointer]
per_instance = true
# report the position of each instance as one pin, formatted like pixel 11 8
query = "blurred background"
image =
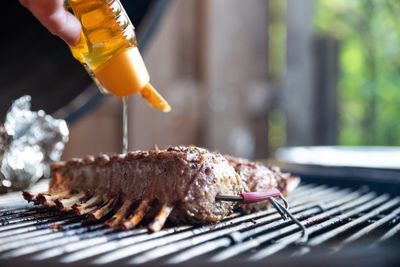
pixel 243 77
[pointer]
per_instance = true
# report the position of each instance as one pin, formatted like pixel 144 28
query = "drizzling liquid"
pixel 125 125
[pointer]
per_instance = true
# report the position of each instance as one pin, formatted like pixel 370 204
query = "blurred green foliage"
pixel 369 86
pixel 277 39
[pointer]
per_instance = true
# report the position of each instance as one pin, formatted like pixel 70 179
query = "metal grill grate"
pixel 335 218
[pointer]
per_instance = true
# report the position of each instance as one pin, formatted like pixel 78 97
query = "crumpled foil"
pixel 37 139
pixel 5 141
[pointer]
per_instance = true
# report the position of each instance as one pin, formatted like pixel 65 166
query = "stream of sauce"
pixel 125 125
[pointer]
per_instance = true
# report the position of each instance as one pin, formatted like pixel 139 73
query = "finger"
pixel 53 15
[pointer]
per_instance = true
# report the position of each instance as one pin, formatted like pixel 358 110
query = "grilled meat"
pixel 257 177
pixel 179 183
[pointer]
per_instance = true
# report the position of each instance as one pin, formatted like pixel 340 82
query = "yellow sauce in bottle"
pixel 108 50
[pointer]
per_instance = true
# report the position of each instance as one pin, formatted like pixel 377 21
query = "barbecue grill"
pixel 348 222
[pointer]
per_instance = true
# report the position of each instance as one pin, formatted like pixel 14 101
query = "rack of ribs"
pixel 179 184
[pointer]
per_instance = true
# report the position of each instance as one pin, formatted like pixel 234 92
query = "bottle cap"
pixel 125 74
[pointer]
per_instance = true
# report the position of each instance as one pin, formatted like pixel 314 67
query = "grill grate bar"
pixel 142 247
pixel 97 250
pixel 23 215
pixel 80 245
pixel 117 244
pixel 44 236
pixel 326 194
pixel 110 246
pixel 231 236
pixel 258 241
pixel 38 231
pixel 389 234
pixel 278 246
pixel 308 192
pixel 52 243
pixel 32 232
pixel 33 225
pixel 342 195
pixel 263 253
pixel 21 219
pixel 21 210
pixel 129 251
pixel 317 208
pixel 303 188
pixel 43 233
pixel 373 226
pixel 200 250
pixel 322 238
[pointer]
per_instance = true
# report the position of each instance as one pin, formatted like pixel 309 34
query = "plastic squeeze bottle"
pixel 108 50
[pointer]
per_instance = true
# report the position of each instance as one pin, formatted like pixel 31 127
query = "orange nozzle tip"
pixel 167 108
pixel 154 99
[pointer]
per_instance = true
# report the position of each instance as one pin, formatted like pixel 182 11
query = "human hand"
pixel 53 15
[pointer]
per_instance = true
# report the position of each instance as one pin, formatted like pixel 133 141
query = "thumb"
pixel 63 24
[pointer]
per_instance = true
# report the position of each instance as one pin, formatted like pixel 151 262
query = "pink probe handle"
pixel 251 197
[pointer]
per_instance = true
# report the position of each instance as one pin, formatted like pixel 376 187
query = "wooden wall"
pixel 209 60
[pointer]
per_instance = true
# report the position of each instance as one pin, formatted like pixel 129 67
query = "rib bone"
pixel 120 214
pixel 88 206
pixel 137 216
pixel 30 197
pixel 48 200
pixel 102 211
pixel 161 217
pixel 67 203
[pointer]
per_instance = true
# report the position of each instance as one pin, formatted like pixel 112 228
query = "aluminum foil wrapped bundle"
pixel 31 140
pixel 4 141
